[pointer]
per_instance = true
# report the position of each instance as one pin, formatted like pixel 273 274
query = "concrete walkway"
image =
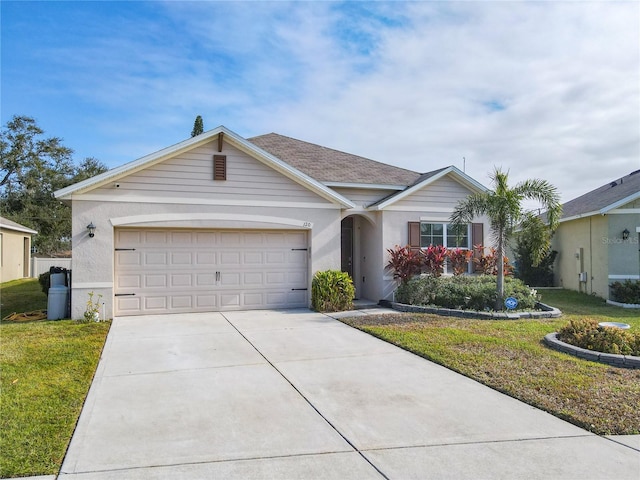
pixel 296 395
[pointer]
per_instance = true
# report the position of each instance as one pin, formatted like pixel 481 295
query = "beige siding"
pixel 364 197
pixel 190 175
pixel 442 194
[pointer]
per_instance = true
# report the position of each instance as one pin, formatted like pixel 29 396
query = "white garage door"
pixel 172 271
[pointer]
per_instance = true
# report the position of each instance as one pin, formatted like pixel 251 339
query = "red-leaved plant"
pixel 459 260
pixel 404 262
pixel 433 258
pixel 488 264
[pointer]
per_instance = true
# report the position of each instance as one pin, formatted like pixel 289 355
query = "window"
pixel 446 234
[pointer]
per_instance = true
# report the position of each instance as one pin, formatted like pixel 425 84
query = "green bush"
pixel 464 292
pixel 45 282
pixel 332 291
pixel 626 292
pixel 586 333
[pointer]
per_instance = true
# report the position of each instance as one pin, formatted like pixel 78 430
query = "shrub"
pixel 45 282
pixel 404 262
pixel 488 264
pixel 626 292
pixel 586 333
pixel 464 292
pixel 459 260
pixel 332 291
pixel 419 291
pixel 433 258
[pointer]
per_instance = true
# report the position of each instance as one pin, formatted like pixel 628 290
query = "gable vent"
pixel 219 167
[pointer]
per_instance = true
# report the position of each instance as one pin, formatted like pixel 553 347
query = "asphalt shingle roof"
pixel 603 196
pixel 328 165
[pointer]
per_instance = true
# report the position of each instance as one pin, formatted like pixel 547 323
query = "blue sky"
pixel 542 89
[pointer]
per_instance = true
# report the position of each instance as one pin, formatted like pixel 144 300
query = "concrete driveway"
pixel 295 395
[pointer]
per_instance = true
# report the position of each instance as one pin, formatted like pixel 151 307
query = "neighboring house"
pixel 598 237
pixel 219 222
pixel 15 250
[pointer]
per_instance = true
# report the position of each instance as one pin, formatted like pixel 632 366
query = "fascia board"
pixel 619 203
pixel 463 177
pixel 17 229
pixel 581 215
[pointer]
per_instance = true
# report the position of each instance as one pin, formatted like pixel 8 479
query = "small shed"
pixel 15 250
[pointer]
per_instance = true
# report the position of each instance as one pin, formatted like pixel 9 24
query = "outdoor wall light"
pixel 91 228
pixel 625 234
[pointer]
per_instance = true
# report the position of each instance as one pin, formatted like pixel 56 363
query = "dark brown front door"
pixel 346 238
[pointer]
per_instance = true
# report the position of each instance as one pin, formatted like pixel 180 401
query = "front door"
pixel 346 237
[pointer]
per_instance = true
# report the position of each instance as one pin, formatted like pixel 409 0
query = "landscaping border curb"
pixel 624 361
pixel 623 305
pixel 547 312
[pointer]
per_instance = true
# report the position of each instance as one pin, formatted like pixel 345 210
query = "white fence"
pixel 41 265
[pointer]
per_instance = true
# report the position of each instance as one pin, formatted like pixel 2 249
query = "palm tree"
pixel 503 207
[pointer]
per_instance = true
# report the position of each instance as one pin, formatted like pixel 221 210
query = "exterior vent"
pixel 219 167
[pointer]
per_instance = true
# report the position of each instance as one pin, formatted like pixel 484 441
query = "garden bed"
pixel 625 361
pixel 543 311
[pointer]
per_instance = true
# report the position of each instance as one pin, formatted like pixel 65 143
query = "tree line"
pixel 33 167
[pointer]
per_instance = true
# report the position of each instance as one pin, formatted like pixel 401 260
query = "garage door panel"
pixel 155 281
pixel 229 299
pixel 230 239
pixel 204 270
pixel 181 280
pixel 206 301
pixel 128 258
pixel 253 258
pixel 128 305
pixel 205 280
pixel 155 258
pixel 181 258
pixel 181 302
pixel 128 281
pixel 155 302
pixel 253 279
pixel 154 238
pixel 206 258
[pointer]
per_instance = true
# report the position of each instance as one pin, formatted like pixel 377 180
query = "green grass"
pixel 509 356
pixel 24 295
pixel 47 367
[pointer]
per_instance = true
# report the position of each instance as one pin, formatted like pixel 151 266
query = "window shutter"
pixel 414 235
pixel 219 167
pixel 477 238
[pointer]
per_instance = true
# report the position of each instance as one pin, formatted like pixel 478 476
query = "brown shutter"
pixel 477 238
pixel 414 235
pixel 219 167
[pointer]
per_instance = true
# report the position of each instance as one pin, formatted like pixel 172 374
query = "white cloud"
pixel 544 89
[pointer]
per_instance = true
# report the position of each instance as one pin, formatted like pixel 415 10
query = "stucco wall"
pixel 624 257
pixel 14 254
pixel 586 234
pixel 93 263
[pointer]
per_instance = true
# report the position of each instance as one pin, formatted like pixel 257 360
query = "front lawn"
pixel 47 367
pixel 510 357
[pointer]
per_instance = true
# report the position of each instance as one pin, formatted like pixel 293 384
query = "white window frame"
pixel 447 267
